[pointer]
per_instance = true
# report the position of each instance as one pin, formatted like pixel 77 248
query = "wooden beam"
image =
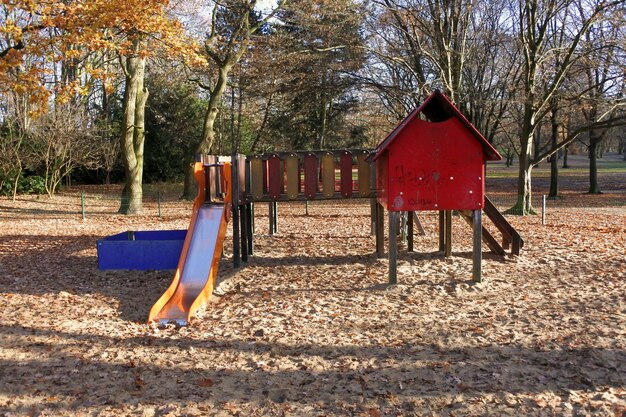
pixel 235 212
pixel 243 214
pixel 275 215
pixel 488 238
pixel 250 216
pixel 393 247
pixel 418 223
pixel 448 238
pixel 442 231
pixel 271 216
pixel 380 230
pixel 409 232
pixel 477 249
pixel 373 209
pixel 509 234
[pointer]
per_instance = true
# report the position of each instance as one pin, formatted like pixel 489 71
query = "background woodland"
pixel 129 91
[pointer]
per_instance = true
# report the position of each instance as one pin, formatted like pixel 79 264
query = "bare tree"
pixel 62 141
pixel 464 47
pixel 539 24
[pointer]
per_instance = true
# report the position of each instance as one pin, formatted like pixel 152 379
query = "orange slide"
pixel 199 260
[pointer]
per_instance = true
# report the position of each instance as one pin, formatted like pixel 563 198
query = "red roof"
pixel 437 108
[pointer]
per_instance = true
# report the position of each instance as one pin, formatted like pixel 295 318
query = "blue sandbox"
pixel 158 250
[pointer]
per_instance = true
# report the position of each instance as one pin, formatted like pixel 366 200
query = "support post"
pixel 380 230
pixel 543 210
pixel 403 227
pixel 442 232
pixel 409 231
pixel 271 217
pixel 373 209
pixel 82 204
pixel 448 238
pixel 250 210
pixel 517 244
pixel 393 247
pixel 275 214
pixel 235 209
pixel 243 214
pixel 477 248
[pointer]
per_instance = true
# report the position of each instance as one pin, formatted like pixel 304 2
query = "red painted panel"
pixel 310 175
pixel 435 166
pixel 275 176
pixel 345 168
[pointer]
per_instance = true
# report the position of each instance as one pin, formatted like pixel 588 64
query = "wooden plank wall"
pixel 310 175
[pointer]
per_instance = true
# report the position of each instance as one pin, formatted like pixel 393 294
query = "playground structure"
pixel 200 256
pixel 433 164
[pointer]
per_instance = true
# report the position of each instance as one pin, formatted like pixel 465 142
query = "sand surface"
pixel 309 327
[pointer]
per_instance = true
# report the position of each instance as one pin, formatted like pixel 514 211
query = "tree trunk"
pixel 554 177
pixel 133 131
pixel 523 206
pixel 594 141
pixel 321 138
pixel 189 185
pixel 565 154
pixel 536 145
pixel 554 159
pixel 208 132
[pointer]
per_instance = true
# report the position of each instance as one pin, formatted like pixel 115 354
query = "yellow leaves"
pixel 80 28
pixel 72 53
pixel 11 30
pixel 71 90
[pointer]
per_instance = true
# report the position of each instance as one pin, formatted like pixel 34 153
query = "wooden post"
pixel 393 247
pixel 477 251
pixel 380 230
pixel 250 209
pixel 235 209
pixel 403 227
pixel 82 205
pixel 373 209
pixel 409 232
pixel 448 238
pixel 442 232
pixel 243 214
pixel 275 214
pixel 517 244
pixel 373 201
pixel 271 216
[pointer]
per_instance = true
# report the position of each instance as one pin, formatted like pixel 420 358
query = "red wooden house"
pixel 433 160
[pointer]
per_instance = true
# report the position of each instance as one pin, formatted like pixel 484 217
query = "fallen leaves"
pixel 308 326
pixel 205 382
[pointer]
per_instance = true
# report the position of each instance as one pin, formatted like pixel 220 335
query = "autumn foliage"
pixel 39 35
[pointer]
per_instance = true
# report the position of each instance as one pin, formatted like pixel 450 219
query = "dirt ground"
pixel 308 326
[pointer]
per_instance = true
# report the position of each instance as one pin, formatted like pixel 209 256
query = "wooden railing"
pixel 310 175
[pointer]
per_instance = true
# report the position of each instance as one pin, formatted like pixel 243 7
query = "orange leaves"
pixel 29 48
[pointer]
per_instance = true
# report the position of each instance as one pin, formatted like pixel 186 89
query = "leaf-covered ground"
pixel 309 328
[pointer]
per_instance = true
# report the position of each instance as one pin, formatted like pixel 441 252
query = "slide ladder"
pixel 199 260
pixel 510 237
